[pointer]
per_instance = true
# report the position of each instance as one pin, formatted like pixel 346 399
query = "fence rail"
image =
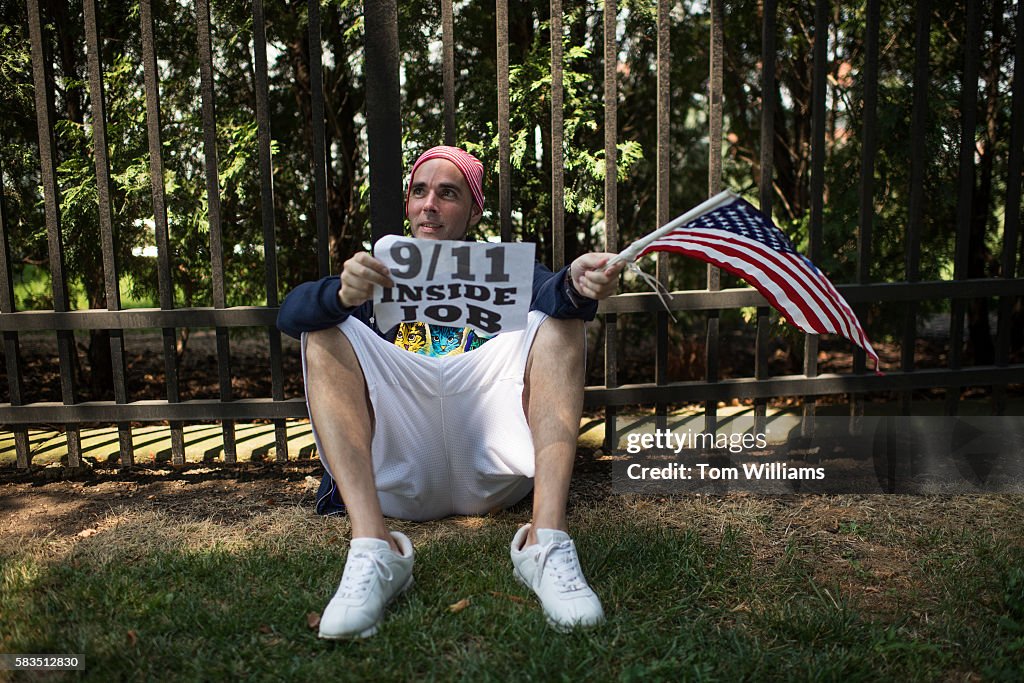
pixel 384 125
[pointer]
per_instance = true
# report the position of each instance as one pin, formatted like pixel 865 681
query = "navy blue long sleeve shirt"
pixel 315 305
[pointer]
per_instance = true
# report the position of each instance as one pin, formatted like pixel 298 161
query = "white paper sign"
pixel 481 285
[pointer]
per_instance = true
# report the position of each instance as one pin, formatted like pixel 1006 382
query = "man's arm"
pixel 312 306
pixel 551 295
pixel 573 291
pixel 331 300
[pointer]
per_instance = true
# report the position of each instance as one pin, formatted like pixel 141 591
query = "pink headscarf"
pixel 472 170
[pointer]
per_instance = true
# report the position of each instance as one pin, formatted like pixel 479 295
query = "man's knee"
pixel 558 351
pixel 329 348
pixel 563 342
pixel 333 369
pixel 555 367
pixel 563 335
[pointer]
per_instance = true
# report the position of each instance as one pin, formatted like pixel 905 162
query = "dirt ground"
pixel 31 507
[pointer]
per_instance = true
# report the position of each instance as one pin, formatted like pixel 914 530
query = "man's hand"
pixel 358 276
pixel 590 280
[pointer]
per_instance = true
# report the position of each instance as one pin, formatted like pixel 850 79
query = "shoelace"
pixel 359 571
pixel 563 562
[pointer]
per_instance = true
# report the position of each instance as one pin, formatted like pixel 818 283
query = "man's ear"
pixel 475 214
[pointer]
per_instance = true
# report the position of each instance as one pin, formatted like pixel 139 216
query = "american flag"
pixel 740 239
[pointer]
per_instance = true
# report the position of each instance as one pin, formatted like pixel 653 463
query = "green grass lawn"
pixel 805 588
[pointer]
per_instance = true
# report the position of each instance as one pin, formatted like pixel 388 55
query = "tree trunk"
pixel 979 257
pixel 344 99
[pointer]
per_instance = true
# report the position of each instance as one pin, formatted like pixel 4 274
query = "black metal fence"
pixel 383 106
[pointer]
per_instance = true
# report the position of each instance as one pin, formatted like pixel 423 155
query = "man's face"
pixel 440 202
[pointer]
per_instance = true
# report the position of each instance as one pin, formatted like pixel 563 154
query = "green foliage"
pixel 529 113
pixel 295 212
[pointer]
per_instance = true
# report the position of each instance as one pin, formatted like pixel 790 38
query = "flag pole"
pixel 629 254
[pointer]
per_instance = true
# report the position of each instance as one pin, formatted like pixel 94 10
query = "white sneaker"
pixel 374 575
pixel 551 568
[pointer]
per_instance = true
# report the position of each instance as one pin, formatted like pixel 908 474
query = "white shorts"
pixel 450 435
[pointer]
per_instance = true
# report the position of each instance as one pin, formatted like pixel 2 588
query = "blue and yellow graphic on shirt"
pixel 437 340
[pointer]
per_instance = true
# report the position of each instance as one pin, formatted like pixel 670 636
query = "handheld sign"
pixel 460 284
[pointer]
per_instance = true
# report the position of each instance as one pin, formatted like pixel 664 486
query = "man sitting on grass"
pixel 422 421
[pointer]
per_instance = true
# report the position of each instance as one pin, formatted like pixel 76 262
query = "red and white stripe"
pixel 805 297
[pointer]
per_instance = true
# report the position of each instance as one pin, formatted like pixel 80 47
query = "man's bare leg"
pixel 553 402
pixel 340 408
pixel 379 565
